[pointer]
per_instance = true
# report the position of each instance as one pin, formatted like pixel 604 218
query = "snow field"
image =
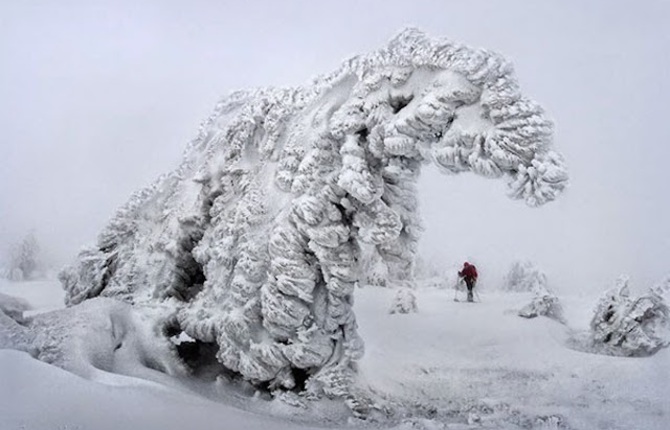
pixel 450 365
pixel 455 360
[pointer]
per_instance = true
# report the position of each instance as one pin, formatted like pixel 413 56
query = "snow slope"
pixel 450 365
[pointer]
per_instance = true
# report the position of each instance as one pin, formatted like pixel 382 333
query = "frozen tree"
pixel 404 302
pixel 524 276
pixel 255 241
pixel 24 259
pixel 624 325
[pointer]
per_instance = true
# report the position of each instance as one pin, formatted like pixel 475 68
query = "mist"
pixel 97 101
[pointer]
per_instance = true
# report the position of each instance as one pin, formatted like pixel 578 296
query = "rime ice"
pixel 254 242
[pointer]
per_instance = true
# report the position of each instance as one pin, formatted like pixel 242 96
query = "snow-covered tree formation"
pixel 24 259
pixel 631 326
pixel 524 276
pixel 544 303
pixel 253 243
pixel 404 302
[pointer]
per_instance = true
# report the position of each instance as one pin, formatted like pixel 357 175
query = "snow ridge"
pixel 254 241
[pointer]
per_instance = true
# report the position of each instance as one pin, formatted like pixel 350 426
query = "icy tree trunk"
pixel 255 239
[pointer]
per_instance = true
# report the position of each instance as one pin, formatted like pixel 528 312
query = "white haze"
pixel 98 100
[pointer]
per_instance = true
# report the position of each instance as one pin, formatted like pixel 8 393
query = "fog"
pixel 96 101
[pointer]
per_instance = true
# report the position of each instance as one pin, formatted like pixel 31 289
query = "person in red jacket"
pixel 469 275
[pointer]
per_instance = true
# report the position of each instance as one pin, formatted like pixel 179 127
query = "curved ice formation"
pixel 254 241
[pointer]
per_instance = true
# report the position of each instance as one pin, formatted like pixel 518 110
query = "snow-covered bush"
pixel 255 240
pixel 628 326
pixel 524 276
pixel 544 303
pixel 404 302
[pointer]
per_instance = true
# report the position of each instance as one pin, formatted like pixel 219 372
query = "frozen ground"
pixel 451 365
pixel 481 362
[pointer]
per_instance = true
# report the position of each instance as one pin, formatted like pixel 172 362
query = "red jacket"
pixel 468 271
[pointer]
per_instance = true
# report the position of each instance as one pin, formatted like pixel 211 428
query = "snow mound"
pixel 544 303
pixel 98 336
pixel 404 302
pixel 14 307
pixel 628 326
pixel 255 240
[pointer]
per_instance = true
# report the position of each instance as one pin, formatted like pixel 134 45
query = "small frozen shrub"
pixel 404 302
pixel 628 326
pixel 524 276
pixel 544 303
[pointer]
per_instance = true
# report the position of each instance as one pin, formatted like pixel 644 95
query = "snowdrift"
pixel 254 243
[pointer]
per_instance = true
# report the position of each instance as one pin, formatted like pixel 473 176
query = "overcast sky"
pixel 97 100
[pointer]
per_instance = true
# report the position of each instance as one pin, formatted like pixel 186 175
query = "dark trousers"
pixel 470 283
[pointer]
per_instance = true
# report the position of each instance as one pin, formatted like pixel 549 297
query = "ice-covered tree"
pixel 24 259
pixel 404 302
pixel 524 276
pixel 254 242
pixel 631 326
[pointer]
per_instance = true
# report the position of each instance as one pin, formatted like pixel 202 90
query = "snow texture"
pixel 13 307
pixel 254 242
pixel 627 326
pixel 404 302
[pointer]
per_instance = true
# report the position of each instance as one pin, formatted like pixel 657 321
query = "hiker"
pixel 469 275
